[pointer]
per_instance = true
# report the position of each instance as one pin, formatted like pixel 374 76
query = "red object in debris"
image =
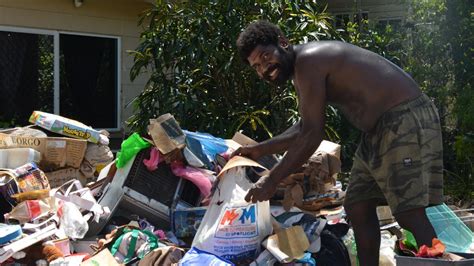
pixel 436 250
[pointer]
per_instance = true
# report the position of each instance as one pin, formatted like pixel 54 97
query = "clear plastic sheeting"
pixel 450 229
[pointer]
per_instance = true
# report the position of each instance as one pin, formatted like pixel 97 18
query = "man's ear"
pixel 284 43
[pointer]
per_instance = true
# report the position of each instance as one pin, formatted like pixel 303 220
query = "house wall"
pixel 108 17
pixel 378 9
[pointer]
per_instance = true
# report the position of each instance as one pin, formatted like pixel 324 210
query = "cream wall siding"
pixel 378 9
pixel 116 18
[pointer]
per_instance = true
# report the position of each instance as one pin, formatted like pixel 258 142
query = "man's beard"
pixel 285 69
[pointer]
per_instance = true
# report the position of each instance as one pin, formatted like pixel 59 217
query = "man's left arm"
pixel 312 95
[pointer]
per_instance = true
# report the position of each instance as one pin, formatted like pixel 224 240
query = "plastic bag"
pixel 129 148
pixel 81 197
pixel 194 175
pixel 28 210
pixel 210 144
pixel 72 222
pixel 233 228
pixel 155 159
pixel 95 158
pixel 387 249
pixel 199 257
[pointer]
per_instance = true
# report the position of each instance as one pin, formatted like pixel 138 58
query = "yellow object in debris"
pixel 31 195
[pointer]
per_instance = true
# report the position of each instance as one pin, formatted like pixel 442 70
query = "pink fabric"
pixel 160 234
pixel 155 158
pixel 194 175
pixel 226 154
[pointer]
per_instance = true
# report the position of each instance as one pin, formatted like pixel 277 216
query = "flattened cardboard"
pixel 55 152
pixel 166 134
pixel 330 147
pixel 102 258
pixel 239 139
pixel 59 177
pixel 239 161
pixel 287 244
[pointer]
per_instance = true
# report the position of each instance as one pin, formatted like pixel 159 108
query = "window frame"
pixel 351 16
pixel 56 73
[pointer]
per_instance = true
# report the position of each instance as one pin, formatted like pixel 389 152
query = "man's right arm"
pixel 277 144
pixel 280 143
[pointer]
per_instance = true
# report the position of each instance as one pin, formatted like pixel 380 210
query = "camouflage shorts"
pixel 401 161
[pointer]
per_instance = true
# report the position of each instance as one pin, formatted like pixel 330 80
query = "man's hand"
pixel 263 190
pixel 250 151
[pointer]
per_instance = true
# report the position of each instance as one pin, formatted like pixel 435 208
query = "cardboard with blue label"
pixel 187 221
pixel 233 228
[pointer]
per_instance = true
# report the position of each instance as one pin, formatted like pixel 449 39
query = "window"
pixel 395 23
pixel 73 75
pixel 343 19
pixel 358 17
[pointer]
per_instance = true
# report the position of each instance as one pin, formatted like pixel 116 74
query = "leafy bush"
pixel 189 49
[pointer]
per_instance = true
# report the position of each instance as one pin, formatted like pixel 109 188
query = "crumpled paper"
pixel 317 177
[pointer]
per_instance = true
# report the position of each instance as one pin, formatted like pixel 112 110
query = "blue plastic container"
pixel 9 232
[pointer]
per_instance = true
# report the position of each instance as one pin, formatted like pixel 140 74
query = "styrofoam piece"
pixel 16 157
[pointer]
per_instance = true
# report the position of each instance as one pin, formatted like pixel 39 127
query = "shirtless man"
pixel 399 158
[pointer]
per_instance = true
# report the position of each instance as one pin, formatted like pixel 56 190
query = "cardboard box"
pixel 166 134
pixel 55 152
pixel 61 176
pixel 65 126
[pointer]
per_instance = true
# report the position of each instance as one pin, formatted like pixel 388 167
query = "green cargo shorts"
pixel 400 163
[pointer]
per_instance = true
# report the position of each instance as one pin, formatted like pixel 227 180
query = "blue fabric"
pixel 307 259
pixel 197 257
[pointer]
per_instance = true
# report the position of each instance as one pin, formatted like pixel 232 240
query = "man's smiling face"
pixel 271 63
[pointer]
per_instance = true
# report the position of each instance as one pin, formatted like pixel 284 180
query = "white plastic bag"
pixel 72 222
pixel 81 197
pixel 233 228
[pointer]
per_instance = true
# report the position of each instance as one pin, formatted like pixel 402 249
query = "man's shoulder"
pixel 320 47
pixel 319 53
pixel 320 50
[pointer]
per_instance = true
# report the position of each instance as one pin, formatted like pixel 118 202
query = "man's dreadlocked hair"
pixel 259 32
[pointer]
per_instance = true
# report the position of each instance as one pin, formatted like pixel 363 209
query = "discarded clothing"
pixel 162 256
